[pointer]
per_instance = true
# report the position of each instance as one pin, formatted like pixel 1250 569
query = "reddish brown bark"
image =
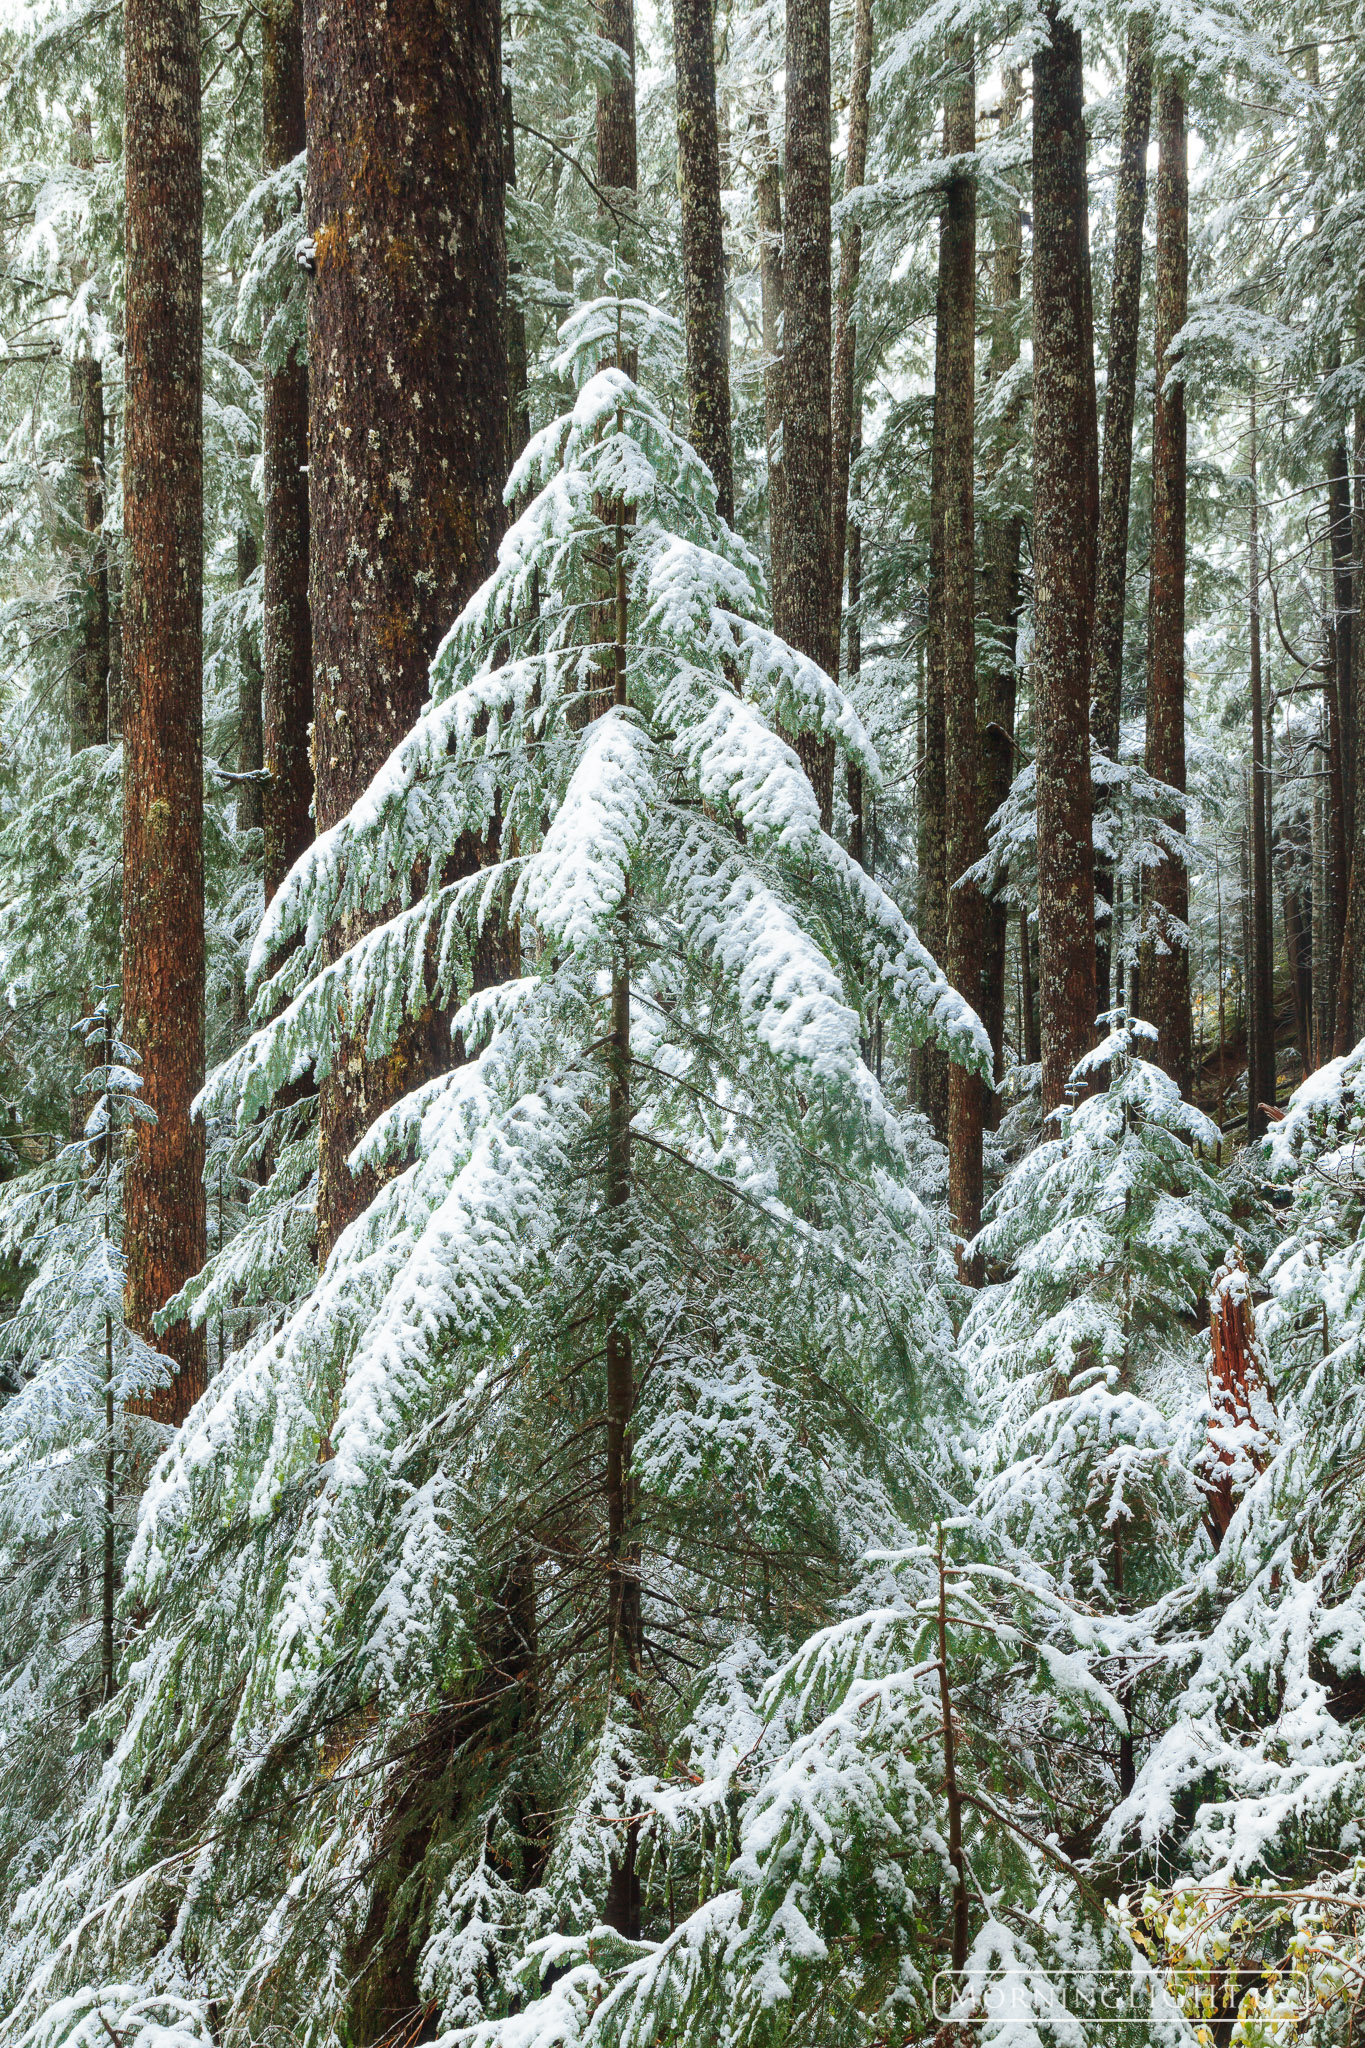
pixel 1242 1422
pixel 1166 960
pixel 287 639
pixel 1002 538
pixel 703 244
pixel 931 785
pixel 163 849
pixel 409 419
pixel 806 618
pixel 1063 384
pixel 964 835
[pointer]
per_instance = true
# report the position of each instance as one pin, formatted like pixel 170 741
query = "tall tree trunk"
pixel 857 824
pixel 1343 762
pixel 850 262
pixel 807 617
pixel 931 783
pixel 703 244
pixel 1111 555
pixel 408 431
pixel 965 840
pixel 768 207
pixel 617 156
pixel 250 744
pixel 1261 1008
pixel 1166 959
pixel 1001 542
pixel 163 801
pixel 1063 383
pixel 1299 956
pixel 286 638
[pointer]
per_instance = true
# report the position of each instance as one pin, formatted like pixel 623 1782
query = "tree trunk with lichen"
pixel 249 738
pixel 703 244
pixel 846 419
pixel 617 148
pixel 964 836
pixel 408 428
pixel 286 637
pixel 89 684
pixel 804 607
pixel 163 809
pixel 1166 959
pixel 1063 388
pixel 1002 540
pixel 1111 555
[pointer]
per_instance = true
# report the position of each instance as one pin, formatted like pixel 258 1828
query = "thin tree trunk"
pixel 703 244
pixel 1261 1007
pixel 1357 697
pixel 1166 962
pixel 1336 816
pixel 768 208
pixel 163 806
pixel 1125 304
pixel 1002 539
pixel 1321 920
pixel 1300 978
pixel 89 685
pixel 850 261
pixel 965 839
pixel 407 467
pixel 857 836
pixel 249 738
pixel 931 783
pixel 806 618
pixel 286 636
pixel 1063 393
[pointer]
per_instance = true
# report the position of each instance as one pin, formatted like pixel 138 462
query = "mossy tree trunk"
pixel 1064 379
pixel 804 603
pixel 703 244
pixel 163 815
pixel 408 423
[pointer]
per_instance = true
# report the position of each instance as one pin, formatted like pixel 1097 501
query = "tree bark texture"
pixel 932 905
pixel 845 322
pixel 1125 305
pixel 1063 383
pixel 1002 538
pixel 1261 1007
pixel 705 310
pixel 1344 928
pixel 249 737
pixel 1166 960
pixel 807 617
pixel 857 823
pixel 163 810
pixel 408 431
pixel 617 157
pixel 287 637
pixel 964 835
pixel 768 207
